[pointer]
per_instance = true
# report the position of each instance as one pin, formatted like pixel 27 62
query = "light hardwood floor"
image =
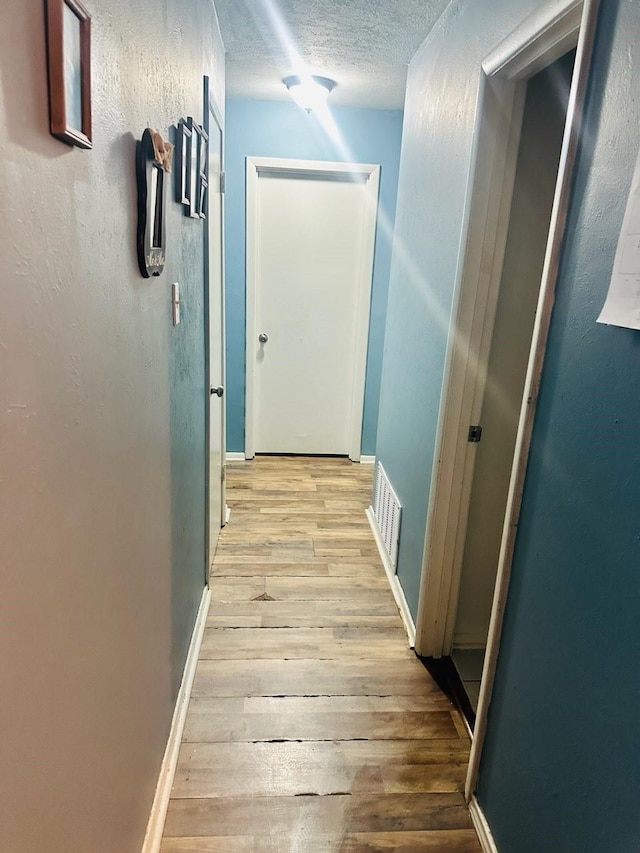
pixel 312 727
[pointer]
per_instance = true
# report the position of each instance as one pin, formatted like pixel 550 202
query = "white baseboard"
pixel 160 805
pixel 234 456
pixel 394 583
pixel 481 826
pixel 470 641
pixel 227 514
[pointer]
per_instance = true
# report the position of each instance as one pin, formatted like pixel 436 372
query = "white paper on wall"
pixel 622 307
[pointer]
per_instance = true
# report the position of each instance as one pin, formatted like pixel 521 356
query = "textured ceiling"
pixel 365 45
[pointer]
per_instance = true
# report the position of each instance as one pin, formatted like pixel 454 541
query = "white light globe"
pixel 309 92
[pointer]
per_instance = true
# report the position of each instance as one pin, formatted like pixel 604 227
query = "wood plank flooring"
pixel 312 727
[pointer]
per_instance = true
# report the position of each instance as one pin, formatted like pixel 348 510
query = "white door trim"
pixel 557 26
pixel 211 114
pixel 273 165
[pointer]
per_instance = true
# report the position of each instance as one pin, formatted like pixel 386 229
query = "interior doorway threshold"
pixel 444 672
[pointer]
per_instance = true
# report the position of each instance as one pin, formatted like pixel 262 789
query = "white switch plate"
pixel 175 302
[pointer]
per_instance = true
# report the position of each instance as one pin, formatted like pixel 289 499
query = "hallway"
pixel 312 727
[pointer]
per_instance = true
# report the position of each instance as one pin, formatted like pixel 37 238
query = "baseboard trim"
pixel 367 460
pixel 470 641
pixel 235 457
pixel 481 826
pixel 162 796
pixel 394 583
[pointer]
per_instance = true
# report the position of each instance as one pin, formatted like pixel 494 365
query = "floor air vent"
pixel 387 511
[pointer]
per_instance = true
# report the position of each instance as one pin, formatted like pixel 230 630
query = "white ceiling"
pixel 365 45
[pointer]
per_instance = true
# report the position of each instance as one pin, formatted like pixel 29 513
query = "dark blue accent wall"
pixel 281 129
pixel 560 770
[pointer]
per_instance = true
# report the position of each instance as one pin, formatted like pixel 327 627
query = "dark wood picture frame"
pixel 69 61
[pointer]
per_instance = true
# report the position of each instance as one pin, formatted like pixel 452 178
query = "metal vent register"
pixel 387 511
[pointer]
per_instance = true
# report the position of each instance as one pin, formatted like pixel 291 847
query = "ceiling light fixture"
pixel 309 92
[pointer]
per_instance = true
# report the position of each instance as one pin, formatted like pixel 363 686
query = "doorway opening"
pixel 555 41
pixel 542 131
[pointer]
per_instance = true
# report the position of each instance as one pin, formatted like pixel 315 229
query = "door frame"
pixel 213 114
pixel 274 165
pixel 553 29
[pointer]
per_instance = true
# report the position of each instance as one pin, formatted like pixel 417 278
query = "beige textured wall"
pixel 89 634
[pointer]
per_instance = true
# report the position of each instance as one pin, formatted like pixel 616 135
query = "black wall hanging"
pixel 153 162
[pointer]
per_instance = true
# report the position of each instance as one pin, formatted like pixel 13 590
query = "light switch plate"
pixel 175 302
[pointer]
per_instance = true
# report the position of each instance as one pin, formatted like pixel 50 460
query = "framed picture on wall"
pixel 194 156
pixel 69 61
pixel 183 162
pixel 203 183
pixel 195 184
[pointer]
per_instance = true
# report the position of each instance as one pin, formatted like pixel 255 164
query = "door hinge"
pixel 223 183
pixel 475 434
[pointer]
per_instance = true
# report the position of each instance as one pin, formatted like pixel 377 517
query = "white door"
pixel 313 257
pixel 215 335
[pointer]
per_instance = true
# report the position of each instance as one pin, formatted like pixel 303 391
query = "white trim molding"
pixel 235 457
pixel 482 828
pixel 368 460
pixel 370 174
pixel 213 115
pixel 394 582
pixel 543 37
pixel 155 826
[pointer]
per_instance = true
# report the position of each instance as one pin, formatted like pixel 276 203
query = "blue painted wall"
pixel 281 129
pixel 560 769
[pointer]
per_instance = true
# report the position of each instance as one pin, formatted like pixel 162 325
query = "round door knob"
pixel 263 338
pixel 219 391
